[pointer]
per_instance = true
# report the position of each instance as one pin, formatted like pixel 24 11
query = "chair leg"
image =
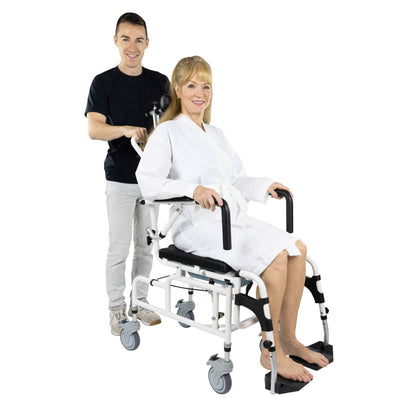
pixel 313 284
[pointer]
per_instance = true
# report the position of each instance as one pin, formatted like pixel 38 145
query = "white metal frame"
pixel 231 317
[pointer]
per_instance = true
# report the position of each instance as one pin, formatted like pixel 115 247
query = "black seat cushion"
pixel 173 254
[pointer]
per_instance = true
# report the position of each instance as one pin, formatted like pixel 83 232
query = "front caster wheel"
pixel 130 341
pixel 221 385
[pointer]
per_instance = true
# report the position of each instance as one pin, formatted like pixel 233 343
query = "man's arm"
pixel 99 129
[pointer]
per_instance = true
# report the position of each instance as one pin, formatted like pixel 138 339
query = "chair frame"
pixel 227 285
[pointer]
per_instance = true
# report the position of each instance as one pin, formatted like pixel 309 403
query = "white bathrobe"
pixel 180 156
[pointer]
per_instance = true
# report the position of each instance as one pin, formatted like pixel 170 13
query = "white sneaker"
pixel 146 316
pixel 117 314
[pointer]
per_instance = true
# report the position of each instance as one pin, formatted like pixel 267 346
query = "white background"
pixel 319 95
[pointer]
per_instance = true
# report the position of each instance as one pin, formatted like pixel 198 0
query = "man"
pixel 116 111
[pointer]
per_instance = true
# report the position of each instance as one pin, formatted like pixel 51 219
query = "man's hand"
pixel 140 134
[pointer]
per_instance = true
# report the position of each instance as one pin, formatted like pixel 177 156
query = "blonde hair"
pixel 183 73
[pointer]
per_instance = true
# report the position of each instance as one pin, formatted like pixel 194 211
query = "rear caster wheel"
pixel 189 315
pixel 185 310
pixel 130 341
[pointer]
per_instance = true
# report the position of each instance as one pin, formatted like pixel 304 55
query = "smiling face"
pixel 131 41
pixel 195 97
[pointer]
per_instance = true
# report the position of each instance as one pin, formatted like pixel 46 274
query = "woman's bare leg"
pixel 296 273
pixel 275 279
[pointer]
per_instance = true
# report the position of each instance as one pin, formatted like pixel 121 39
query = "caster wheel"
pixel 130 342
pixel 189 315
pixel 223 385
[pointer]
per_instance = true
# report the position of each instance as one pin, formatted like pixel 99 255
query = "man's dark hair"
pixel 132 18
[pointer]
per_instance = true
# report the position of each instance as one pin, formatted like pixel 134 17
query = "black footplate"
pixel 283 385
pixel 319 347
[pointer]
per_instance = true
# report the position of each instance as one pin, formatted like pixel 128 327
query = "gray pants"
pixel 126 218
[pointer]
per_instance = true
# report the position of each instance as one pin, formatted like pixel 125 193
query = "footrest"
pixel 320 347
pixel 283 385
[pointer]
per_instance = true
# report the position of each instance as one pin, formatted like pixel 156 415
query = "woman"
pixel 185 156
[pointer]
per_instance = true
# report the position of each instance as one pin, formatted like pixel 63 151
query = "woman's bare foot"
pixel 295 348
pixel 286 367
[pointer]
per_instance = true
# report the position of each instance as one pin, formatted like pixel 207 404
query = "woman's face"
pixel 195 97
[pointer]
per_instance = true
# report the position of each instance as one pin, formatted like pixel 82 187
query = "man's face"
pixel 131 42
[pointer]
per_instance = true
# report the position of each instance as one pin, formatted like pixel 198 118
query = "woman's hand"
pixel 206 197
pixel 277 186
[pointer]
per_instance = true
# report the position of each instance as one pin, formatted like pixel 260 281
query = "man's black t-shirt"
pixel 125 100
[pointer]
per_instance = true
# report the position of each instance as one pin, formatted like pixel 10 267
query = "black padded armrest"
pixel 289 208
pixel 225 218
pixel 175 200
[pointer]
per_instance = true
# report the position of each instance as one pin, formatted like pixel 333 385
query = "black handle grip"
pixel 225 218
pixel 164 102
pixel 289 208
